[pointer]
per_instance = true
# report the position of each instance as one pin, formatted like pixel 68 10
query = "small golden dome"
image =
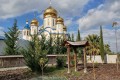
pixel 60 19
pixel 50 10
pixel 64 28
pixel 34 22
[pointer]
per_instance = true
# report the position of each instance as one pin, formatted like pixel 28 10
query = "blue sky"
pixel 86 15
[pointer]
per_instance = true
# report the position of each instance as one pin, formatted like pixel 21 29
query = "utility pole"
pixel 114 24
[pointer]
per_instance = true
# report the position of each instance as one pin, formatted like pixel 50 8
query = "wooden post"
pixel 75 59
pixel 68 56
pixel 85 61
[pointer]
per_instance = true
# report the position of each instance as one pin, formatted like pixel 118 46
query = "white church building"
pixel 52 24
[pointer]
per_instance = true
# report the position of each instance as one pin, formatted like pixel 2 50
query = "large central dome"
pixel 50 11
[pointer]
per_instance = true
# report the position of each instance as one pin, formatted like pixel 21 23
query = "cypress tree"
pixel 78 36
pixel 72 37
pixel 101 44
pixel 79 50
pixel 69 38
pixel 11 38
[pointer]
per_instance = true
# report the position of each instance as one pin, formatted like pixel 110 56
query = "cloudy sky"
pixel 86 15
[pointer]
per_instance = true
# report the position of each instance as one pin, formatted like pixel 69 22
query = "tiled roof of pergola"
pixel 78 43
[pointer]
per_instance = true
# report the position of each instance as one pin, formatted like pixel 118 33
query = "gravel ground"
pixel 102 72
pixel 18 74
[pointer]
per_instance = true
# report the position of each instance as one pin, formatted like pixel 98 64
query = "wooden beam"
pixel 68 57
pixel 85 61
pixel 75 59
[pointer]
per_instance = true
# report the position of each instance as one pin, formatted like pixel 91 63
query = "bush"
pixel 61 62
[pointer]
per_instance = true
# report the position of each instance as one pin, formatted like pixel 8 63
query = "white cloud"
pixel 9 9
pixel 68 22
pixel 104 14
pixel 15 8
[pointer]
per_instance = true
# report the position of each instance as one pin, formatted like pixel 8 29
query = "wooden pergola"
pixel 76 45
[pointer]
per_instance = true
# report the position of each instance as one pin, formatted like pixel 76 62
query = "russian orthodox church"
pixel 52 25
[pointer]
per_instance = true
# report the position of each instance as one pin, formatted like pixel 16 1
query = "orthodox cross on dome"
pixel 50 2
pixel 34 14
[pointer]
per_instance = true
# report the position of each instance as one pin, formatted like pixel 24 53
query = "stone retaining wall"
pixel 18 60
pixel 12 61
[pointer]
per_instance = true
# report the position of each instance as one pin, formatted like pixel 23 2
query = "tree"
pixel 69 38
pixel 57 45
pixel 78 36
pixel 42 63
pixel 72 37
pixel 11 38
pixel 93 48
pixel 35 52
pixel 107 49
pixel 79 50
pixel 58 48
pixel 101 44
pixel 50 45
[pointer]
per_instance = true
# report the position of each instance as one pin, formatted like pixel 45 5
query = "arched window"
pixel 48 22
pixel 53 22
pixel 24 33
pixel 27 33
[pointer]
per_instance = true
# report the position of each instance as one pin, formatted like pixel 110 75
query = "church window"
pixel 48 22
pixel 27 33
pixel 35 31
pixel 32 30
pixel 53 22
pixel 24 33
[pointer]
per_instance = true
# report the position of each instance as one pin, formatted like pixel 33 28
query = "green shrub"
pixel 61 62
pixel 96 64
pixel 36 50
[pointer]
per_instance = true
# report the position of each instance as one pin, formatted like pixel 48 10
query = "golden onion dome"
pixel 64 28
pixel 34 22
pixel 60 20
pixel 50 11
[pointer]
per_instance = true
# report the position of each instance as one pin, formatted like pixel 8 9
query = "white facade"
pixel 97 59
pixel 26 34
pixel 34 30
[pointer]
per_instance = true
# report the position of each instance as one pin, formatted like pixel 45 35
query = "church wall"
pixel 49 22
pixel 59 28
pixel 34 30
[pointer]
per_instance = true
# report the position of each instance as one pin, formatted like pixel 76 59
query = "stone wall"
pixel 18 60
pixel 12 61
